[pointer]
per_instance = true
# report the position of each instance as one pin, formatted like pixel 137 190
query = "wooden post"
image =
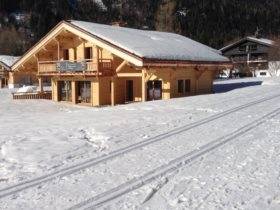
pixel 95 92
pixel 58 49
pixel 38 66
pixel 113 91
pixel 54 90
pixel 197 75
pixel 96 58
pixel 41 89
pixel 144 86
pixel 74 92
pixel 84 49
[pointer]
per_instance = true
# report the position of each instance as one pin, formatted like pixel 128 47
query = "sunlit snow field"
pixel 49 152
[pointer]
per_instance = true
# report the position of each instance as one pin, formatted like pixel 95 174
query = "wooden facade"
pixel 249 54
pixel 83 69
pixel 4 76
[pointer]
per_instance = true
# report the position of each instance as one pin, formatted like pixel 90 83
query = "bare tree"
pixel 274 58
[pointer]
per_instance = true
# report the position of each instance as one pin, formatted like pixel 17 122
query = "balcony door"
pixel 84 92
pixel 154 90
pixel 129 90
pixel 66 54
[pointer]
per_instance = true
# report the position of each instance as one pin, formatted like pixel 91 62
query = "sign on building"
pixel 71 66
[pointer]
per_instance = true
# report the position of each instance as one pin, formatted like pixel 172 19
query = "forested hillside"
pixel 213 22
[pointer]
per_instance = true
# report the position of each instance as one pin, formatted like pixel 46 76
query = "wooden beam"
pixel 44 48
pixel 95 51
pixel 121 66
pixel 74 92
pixel 37 59
pixel 129 75
pixel 144 86
pixel 41 89
pixel 58 49
pixel 113 86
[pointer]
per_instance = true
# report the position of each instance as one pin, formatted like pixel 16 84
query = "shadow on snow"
pixel 222 88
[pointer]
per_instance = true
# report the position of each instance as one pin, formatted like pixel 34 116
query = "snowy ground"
pixel 218 151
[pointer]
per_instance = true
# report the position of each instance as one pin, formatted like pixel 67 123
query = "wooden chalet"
pixel 249 54
pixel 6 76
pixel 95 64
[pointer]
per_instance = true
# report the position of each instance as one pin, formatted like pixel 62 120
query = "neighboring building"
pixel 250 56
pixel 97 64
pixel 6 62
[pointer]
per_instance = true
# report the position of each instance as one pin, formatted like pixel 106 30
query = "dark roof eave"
pixel 5 65
pixel 228 47
pixel 150 62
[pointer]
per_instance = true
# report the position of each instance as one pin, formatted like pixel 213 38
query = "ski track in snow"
pixel 173 165
pixel 90 163
pixel 17 196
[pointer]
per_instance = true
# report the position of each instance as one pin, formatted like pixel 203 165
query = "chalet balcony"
pixel 252 59
pixel 68 68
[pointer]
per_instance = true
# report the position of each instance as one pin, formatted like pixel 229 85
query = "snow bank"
pixel 27 89
pixel 272 81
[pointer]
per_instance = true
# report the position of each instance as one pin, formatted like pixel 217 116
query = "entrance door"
pixel 84 92
pixel 129 90
pixel 2 82
pixel 154 90
pixel 65 91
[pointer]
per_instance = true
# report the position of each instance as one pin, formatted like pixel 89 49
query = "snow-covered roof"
pixel 263 41
pixel 152 45
pixel 8 60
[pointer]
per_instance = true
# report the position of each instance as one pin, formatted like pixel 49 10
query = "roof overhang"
pixel 174 63
pixel 63 25
pixel 244 40
pixel 5 66
pixel 114 49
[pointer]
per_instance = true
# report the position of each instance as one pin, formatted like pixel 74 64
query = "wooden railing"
pixel 105 64
pixel 3 73
pixel 43 95
pixel 46 67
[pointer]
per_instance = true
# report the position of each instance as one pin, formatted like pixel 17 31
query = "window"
pixel 242 48
pixel 88 53
pixel 253 47
pixel 84 91
pixel 180 86
pixel 184 86
pixel 65 91
pixel 187 86
pixel 154 90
